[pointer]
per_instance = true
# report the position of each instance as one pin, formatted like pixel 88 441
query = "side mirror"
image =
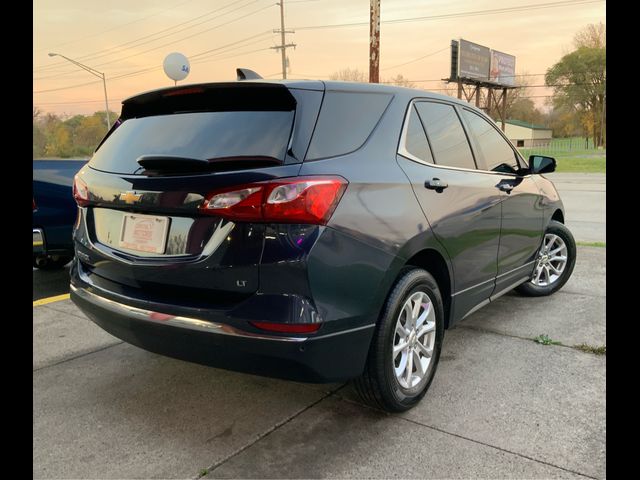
pixel 540 164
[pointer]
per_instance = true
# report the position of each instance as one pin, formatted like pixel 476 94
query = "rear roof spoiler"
pixel 211 97
pixel 246 74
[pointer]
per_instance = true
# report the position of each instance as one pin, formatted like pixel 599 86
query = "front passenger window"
pixel 498 154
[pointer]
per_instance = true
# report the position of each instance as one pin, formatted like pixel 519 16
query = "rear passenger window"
pixel 346 121
pixel 447 138
pixel 497 153
pixel 416 140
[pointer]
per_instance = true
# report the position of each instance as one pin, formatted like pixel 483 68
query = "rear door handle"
pixel 505 187
pixel 436 184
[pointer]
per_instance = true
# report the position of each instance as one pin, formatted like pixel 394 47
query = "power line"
pixel 100 53
pixel 229 44
pixel 416 59
pixel 142 71
pixel 187 37
pixel 89 56
pixel 492 11
pixel 234 55
pixel 266 32
pixel 78 102
pixel 113 28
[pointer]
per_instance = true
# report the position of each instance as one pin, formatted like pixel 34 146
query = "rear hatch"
pixel 148 178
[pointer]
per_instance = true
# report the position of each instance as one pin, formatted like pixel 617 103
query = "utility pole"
pixel 374 42
pixel 283 46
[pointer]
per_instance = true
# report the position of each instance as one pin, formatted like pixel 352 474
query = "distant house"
pixel 528 135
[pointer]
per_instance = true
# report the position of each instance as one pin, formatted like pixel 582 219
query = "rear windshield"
pixel 230 136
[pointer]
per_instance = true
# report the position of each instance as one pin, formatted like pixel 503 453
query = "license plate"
pixel 144 233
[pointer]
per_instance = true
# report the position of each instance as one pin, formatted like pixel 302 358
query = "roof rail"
pixel 246 74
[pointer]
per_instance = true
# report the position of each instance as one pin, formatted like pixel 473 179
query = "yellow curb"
pixel 44 301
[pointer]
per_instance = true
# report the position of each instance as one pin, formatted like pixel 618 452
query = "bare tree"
pixel 448 88
pixel 591 36
pixel 349 75
pixel 400 81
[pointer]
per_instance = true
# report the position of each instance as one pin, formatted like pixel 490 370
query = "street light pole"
pixel 98 74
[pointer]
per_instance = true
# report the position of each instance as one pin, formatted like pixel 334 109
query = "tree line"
pixel 76 136
pixel 578 104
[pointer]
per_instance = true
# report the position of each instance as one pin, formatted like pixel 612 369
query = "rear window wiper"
pixel 171 163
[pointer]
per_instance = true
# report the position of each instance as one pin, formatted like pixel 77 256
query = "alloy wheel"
pixel 552 259
pixel 414 340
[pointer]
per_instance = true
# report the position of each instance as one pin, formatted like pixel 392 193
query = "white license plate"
pixel 144 233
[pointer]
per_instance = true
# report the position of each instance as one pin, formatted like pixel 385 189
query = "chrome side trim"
pixel 403 136
pixel 473 286
pixel 495 296
pixel 528 264
pixel 190 322
pixel 476 308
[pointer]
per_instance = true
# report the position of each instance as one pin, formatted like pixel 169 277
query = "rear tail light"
pixel 309 200
pixel 34 204
pixel 287 327
pixel 80 191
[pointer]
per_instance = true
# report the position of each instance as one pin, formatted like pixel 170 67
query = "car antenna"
pixel 246 74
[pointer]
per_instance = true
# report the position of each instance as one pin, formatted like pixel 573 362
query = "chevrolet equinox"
pixel 309 230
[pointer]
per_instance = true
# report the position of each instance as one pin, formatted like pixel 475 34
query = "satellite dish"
pixel 176 66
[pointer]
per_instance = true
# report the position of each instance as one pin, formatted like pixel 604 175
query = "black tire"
pixel 378 385
pixel 50 262
pixel 529 289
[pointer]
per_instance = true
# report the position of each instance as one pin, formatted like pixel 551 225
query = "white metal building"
pixel 524 134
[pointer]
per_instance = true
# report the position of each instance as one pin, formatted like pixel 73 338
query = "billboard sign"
pixel 474 60
pixel 503 68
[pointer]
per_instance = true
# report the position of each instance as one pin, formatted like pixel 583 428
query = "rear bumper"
pixel 38 241
pixel 331 357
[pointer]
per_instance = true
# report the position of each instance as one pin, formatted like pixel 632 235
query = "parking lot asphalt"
pixel 500 406
pixel 585 202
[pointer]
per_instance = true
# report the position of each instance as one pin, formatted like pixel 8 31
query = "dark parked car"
pixel 54 211
pixel 308 230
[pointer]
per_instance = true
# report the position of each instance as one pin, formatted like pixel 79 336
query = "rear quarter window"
pixel 346 121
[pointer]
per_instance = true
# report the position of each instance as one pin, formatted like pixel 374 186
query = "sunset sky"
pixel 128 40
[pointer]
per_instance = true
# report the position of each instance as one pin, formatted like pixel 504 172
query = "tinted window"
pixel 416 140
pixel 446 135
pixel 346 121
pixel 498 154
pixel 235 136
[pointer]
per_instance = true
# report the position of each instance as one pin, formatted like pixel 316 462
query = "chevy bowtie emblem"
pixel 130 197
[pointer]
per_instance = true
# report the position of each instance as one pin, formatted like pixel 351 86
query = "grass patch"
pixel 591 164
pixel 601 350
pixel 592 244
pixel 545 340
pixel 203 472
